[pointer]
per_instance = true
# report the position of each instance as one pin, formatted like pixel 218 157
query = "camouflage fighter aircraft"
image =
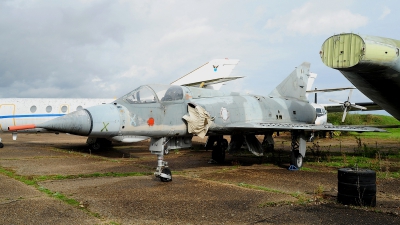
pixel 171 115
pixel 370 63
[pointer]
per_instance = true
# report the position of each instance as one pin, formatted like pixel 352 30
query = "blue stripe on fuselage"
pixel 30 116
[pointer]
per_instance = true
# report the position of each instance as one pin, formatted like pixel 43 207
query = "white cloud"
pixel 96 79
pixel 316 18
pixel 386 11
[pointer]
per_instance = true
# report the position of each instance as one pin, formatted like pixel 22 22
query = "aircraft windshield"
pixel 142 94
pixel 320 112
pixel 154 93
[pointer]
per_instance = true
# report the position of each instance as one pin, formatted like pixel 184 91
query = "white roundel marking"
pixel 224 113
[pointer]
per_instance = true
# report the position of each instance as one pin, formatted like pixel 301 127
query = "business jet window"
pixel 33 109
pixel 64 109
pixel 79 108
pixel 49 108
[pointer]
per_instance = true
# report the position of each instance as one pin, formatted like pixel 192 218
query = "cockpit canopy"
pixel 320 111
pixel 155 93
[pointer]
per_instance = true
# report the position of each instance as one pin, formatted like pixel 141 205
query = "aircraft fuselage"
pixel 156 116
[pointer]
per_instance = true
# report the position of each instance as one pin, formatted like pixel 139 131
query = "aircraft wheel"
pixel 297 159
pixel 1 145
pixel 95 146
pixel 218 154
pixel 166 175
pixel 100 144
pixel 224 144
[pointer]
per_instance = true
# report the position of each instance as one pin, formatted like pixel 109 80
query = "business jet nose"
pixel 78 122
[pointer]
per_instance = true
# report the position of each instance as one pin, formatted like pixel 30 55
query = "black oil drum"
pixel 356 187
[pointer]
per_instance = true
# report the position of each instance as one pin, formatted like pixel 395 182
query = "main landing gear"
pixel 98 144
pixel 218 145
pixel 157 146
pixel 298 146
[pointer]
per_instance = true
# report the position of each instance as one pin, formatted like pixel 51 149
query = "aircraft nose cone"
pixel 78 122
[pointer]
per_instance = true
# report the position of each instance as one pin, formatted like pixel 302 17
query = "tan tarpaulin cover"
pixel 199 120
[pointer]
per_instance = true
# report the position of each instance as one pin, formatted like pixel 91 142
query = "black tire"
pixel 356 200
pixel 168 172
pixel 100 144
pixel 95 146
pixel 1 145
pixel 357 187
pixel 236 143
pixel 360 176
pixel 296 159
pixel 224 144
pixel 218 154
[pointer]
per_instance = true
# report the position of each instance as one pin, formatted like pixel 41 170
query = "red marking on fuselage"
pixel 150 121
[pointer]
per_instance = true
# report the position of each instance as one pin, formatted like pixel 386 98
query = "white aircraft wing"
pixel 257 126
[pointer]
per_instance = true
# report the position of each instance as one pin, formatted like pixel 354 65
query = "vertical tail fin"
pixel 295 85
pixel 310 82
pixel 211 74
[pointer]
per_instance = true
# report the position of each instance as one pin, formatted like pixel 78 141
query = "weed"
pixel 301 197
pixel 344 158
pixel 318 194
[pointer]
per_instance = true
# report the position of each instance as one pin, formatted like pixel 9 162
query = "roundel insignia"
pixel 224 114
pixel 150 121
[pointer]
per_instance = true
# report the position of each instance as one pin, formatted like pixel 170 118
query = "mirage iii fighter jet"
pixel 171 115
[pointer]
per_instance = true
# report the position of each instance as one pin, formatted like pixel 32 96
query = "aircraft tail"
pixel 295 85
pixel 310 83
pixel 211 75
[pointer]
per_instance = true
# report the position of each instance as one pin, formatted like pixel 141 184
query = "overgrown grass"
pixel 367 119
pixel 362 119
pixel 383 161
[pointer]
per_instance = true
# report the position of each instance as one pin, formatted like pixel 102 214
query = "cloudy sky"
pixel 107 48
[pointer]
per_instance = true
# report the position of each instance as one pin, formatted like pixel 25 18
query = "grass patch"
pixel 308 169
pixel 110 174
pixel 362 119
pixel 59 196
pixel 302 198
pixel 260 188
pixel 33 181
pixel 367 119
